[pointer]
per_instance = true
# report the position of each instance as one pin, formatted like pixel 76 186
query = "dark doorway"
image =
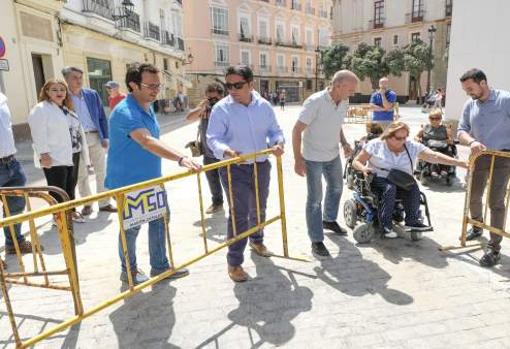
pixel 37 63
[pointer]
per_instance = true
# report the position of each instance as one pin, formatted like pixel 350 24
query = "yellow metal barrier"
pixel 65 233
pixel 466 219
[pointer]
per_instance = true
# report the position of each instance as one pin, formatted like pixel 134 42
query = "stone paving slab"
pixel 386 294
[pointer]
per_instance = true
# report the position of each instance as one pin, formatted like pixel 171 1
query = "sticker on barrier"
pixel 144 205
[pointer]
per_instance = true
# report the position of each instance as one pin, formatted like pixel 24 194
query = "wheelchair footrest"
pixel 421 230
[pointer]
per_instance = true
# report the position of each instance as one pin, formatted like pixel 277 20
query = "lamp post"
pixel 318 60
pixel 431 31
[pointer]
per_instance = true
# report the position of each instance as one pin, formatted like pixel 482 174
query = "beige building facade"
pixel 103 44
pixel 393 24
pixel 31 33
pixel 277 38
pixel 43 36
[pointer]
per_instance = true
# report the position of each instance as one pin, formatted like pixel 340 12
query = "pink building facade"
pixel 277 38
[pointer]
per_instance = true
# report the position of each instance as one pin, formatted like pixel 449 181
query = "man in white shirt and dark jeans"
pixel 11 175
pixel 319 128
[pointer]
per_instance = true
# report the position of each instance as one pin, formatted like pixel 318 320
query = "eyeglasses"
pixel 400 138
pixel 152 86
pixel 55 90
pixel 213 99
pixel 237 85
pixel 434 118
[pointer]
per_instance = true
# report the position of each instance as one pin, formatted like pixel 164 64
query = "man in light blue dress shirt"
pixel 485 124
pixel 242 123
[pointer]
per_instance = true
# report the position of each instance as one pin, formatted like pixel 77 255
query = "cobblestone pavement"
pixel 387 294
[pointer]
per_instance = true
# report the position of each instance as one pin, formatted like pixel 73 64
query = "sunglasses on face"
pixel 237 85
pixel 435 118
pixel 213 99
pixel 400 138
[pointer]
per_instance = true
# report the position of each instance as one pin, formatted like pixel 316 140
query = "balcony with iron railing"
pixel 103 8
pixel 180 44
pixel 221 64
pixel 264 40
pixel 417 15
pixel 245 37
pixel 376 23
pixel 167 38
pixel 151 31
pixel 219 31
pixel 132 21
pixel 290 44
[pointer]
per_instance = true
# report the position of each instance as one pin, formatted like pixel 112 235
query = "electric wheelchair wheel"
pixel 350 213
pixel 416 235
pixel 364 233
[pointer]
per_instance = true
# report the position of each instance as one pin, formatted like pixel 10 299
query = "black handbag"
pixel 400 178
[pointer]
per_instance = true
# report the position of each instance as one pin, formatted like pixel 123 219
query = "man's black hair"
pixel 475 74
pixel 135 71
pixel 242 70
pixel 215 87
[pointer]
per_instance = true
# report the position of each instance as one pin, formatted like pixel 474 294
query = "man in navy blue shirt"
pixel 134 156
pixel 382 102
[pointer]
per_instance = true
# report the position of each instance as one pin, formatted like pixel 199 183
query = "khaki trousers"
pixel 97 158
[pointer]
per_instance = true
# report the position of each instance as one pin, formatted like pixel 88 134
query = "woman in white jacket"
pixel 58 139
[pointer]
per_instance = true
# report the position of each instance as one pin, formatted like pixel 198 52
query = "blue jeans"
pixel 332 172
pixel 157 247
pixel 243 192
pixel 387 193
pixel 13 175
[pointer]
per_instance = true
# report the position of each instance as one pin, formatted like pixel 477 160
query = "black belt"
pixel 7 159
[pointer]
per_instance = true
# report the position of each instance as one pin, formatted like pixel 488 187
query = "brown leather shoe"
pixel 108 208
pixel 24 247
pixel 237 274
pixel 86 211
pixel 260 249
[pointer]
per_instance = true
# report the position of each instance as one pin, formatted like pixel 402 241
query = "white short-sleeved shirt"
pixel 382 159
pixel 324 119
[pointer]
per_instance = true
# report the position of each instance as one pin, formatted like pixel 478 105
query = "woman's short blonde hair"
pixel 436 112
pixel 393 128
pixel 43 94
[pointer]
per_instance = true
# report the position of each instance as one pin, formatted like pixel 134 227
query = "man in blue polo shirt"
pixel 134 156
pixel 382 102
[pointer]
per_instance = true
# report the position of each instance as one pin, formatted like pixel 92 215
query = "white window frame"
pixel 265 35
pixel 278 55
pixel 265 54
pixel 293 59
pixel 277 24
pixel 247 17
pixel 244 50
pixel 227 52
pixel 309 35
pixel 309 67
pixel 225 11
pixel 295 29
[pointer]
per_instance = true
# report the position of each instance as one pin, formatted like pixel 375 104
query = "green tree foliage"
pixel 333 59
pixel 368 61
pixel 417 59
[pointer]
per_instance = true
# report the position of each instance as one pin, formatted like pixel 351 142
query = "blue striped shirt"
pixel 245 129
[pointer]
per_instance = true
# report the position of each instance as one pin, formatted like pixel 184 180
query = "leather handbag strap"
pixel 411 160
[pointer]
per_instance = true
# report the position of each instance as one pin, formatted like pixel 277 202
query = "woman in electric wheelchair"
pixel 437 137
pixel 387 165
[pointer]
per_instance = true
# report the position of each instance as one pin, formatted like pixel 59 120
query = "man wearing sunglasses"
pixel 485 124
pixel 242 123
pixel 134 156
pixel 213 93
pixel 321 122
